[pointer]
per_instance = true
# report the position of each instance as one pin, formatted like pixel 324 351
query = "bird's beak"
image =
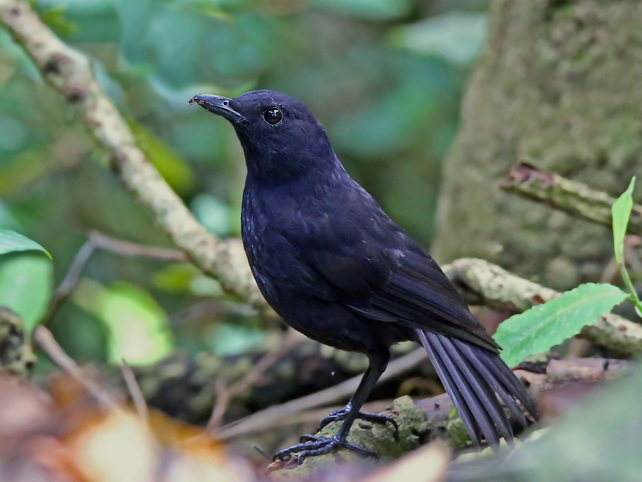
pixel 218 105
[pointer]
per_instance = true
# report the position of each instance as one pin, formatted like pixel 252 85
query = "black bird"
pixel 339 270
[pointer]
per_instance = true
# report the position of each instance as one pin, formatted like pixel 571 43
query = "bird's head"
pixel 279 135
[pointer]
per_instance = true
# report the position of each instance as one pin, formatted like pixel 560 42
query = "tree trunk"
pixel 559 84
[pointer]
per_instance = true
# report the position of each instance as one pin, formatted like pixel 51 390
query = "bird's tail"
pixel 476 379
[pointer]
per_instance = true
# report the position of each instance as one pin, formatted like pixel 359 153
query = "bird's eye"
pixel 273 116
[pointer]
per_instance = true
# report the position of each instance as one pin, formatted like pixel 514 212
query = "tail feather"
pixel 475 378
pixel 485 391
pixel 518 392
pixel 485 413
pixel 452 384
pixel 505 384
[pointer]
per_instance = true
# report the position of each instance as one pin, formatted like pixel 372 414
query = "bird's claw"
pixel 312 446
pixel 342 413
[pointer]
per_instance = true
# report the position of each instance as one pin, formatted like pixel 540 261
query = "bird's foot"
pixel 342 413
pixel 311 446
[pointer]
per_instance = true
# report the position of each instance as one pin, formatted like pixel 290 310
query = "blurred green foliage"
pixel 385 78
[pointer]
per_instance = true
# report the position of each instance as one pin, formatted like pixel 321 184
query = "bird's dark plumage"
pixel 339 270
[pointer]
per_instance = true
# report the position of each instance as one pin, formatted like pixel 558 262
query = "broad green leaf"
pixel 621 212
pixel 26 282
pixel 544 326
pixel 11 242
pixel 138 328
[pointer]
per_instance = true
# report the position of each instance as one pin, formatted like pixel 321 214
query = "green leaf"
pixel 11 242
pixel 621 212
pixel 544 326
pixel 138 327
pixel 26 283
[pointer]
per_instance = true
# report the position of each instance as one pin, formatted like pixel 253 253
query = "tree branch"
pixel 570 196
pixel 484 283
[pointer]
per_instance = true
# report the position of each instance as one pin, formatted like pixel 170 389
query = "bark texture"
pixel 558 84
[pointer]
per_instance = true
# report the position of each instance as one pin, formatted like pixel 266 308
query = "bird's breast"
pixel 264 221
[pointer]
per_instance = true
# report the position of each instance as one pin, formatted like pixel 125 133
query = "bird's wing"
pixel 424 298
pixel 377 271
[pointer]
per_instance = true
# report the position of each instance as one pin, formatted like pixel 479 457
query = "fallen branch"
pixel 266 418
pixel 252 378
pixel 306 371
pixel 484 283
pixel 566 195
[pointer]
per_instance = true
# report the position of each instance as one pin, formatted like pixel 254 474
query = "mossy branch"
pixel 484 283
pixel 566 195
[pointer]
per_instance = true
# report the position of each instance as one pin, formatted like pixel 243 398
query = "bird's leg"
pixel 312 445
pixel 342 413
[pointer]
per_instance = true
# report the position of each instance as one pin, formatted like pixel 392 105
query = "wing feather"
pixel 377 271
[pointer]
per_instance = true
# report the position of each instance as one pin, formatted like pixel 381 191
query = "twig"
pixel 223 397
pixel 67 286
pixel 127 248
pixel 107 243
pixel 225 394
pixel 69 72
pixel 266 418
pixel 209 308
pixel 566 195
pixel 134 390
pixel 50 346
